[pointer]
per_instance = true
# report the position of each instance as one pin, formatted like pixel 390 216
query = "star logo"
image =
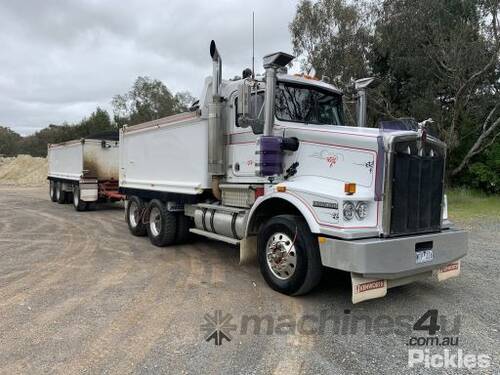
pixel 218 327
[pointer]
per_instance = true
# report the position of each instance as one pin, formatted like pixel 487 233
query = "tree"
pixel 184 100
pixel 435 58
pixel 440 59
pixel 148 99
pixel 333 37
pixel 98 122
pixel 36 144
pixel 9 141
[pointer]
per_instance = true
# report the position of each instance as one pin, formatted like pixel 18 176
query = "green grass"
pixel 466 204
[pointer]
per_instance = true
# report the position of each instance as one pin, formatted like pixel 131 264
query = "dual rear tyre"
pixel 162 226
pixel 52 191
pixel 78 204
pixel 57 194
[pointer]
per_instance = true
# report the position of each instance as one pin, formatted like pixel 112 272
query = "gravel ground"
pixel 78 294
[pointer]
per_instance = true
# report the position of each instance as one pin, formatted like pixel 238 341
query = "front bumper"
pixel 392 258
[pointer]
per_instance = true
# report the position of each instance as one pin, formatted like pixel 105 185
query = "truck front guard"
pixel 266 203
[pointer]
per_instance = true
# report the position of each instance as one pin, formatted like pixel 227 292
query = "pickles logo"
pixel 218 327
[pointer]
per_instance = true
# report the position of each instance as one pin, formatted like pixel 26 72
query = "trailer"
pixel 267 163
pixel 84 171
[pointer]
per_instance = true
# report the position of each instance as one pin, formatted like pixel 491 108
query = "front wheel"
pixel 289 255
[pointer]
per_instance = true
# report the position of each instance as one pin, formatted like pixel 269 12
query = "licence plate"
pixel 424 256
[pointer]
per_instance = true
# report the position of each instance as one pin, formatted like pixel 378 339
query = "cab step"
pixel 215 236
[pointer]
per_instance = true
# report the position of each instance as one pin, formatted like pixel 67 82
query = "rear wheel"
pixel 59 193
pixel 52 190
pixel 77 202
pixel 135 216
pixel 161 225
pixel 289 255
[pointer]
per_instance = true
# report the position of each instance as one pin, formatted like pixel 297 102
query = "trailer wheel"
pixel 182 232
pixel 60 194
pixel 161 225
pixel 135 216
pixel 77 202
pixel 289 255
pixel 52 190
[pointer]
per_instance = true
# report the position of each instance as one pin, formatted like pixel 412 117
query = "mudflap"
pixel 448 271
pixel 369 288
pixel 364 288
pixel 89 191
pixel 248 250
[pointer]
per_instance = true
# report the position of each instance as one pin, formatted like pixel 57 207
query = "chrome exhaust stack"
pixel 216 68
pixel 215 128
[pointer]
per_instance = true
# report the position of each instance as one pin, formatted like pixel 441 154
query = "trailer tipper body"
pixel 84 171
pixel 267 163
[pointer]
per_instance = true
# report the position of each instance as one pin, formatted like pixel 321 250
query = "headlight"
pixel 361 210
pixel 348 210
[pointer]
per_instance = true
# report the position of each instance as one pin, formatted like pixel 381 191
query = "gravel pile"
pixel 23 170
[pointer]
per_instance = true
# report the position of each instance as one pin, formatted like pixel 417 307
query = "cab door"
pixel 241 143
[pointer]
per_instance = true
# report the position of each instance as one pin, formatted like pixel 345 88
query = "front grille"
pixel 417 188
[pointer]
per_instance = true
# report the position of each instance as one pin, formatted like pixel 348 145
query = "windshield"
pixel 311 105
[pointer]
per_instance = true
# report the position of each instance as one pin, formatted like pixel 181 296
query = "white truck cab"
pixel 267 163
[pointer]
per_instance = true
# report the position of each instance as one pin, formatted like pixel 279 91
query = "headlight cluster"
pixel 360 210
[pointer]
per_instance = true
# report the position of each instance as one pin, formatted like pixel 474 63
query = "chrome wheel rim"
pixel 51 190
pixel 155 221
pixel 58 191
pixel 281 256
pixel 133 213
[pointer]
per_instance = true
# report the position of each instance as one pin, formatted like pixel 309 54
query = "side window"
pixel 256 107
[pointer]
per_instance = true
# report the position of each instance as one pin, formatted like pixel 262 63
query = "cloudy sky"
pixel 62 59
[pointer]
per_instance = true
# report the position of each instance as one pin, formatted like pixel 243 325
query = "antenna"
pixel 253 45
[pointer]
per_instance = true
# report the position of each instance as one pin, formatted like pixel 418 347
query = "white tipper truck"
pixel 84 171
pixel 267 163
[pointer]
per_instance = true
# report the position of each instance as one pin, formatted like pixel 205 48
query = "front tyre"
pixel 162 224
pixel 289 255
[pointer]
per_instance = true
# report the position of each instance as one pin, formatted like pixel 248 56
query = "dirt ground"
pixel 79 294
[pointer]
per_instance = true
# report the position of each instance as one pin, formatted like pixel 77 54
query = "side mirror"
pixel 361 86
pixel 245 111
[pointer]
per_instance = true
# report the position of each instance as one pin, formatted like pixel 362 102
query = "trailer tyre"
pixel 135 216
pixel 60 194
pixel 52 190
pixel 288 255
pixel 162 224
pixel 77 202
